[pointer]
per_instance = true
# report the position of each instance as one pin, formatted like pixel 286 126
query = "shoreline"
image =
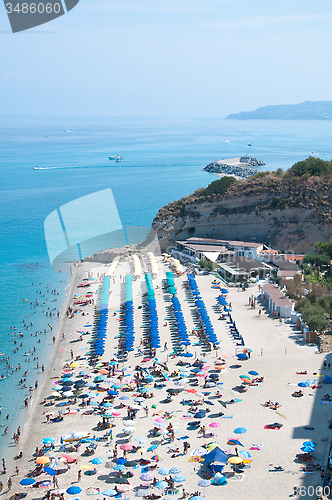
pixel 274 346
pixel 31 412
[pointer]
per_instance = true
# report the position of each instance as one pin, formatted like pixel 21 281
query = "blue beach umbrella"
pixel 240 430
pixel 73 490
pixel 27 481
pixel 97 460
pixel 50 471
pixel 48 440
pixel 109 493
pixel 179 478
pixel 175 470
pixel 161 485
pixel 119 467
pixel 163 471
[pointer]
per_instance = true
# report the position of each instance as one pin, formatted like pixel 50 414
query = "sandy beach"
pixel 278 355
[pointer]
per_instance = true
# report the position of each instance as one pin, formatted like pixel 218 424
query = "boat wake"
pixel 71 166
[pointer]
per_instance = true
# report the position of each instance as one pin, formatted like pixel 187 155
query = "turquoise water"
pixel 163 161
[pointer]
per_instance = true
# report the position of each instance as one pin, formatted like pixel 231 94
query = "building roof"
pixel 287 274
pixel 203 248
pixel 294 257
pixel 234 243
pixel 243 265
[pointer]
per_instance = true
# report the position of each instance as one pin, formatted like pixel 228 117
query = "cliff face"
pixel 286 213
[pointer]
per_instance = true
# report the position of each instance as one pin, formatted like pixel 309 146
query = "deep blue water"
pixel 163 161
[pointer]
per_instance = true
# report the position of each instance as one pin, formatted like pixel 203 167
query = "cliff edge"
pixel 289 210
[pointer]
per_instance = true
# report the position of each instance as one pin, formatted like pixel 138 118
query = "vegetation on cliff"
pixel 307 184
pixel 311 291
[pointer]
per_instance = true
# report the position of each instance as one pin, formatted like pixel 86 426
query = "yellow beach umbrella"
pixel 235 460
pixel 73 365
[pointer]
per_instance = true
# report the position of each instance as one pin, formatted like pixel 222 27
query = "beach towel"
pixel 227 416
pixel 200 452
pixel 92 491
pixel 195 459
pixel 281 414
pixel 182 437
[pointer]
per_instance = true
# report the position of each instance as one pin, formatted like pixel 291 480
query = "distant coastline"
pixel 308 110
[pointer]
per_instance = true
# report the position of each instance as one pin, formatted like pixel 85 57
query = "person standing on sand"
pixel 10 483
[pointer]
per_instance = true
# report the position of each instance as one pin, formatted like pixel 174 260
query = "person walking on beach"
pixel 79 476
pixel 10 483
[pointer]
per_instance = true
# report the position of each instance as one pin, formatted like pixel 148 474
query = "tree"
pixel 314 316
pixel 311 166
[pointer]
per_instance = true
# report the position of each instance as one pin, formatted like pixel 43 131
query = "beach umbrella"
pixel 161 485
pixel 73 490
pixel 124 398
pixel 126 446
pixel 240 430
pixel 214 424
pixel 163 471
pixel 125 487
pixel 245 454
pixel 109 493
pixel 140 439
pixel 27 481
pixel 48 440
pixel 187 354
pixel 303 384
pixel 309 443
pixel 119 467
pixel 245 377
pixel 153 447
pixel 179 478
pixel 97 460
pixel 50 471
pixel 156 458
pixel 84 373
pixel 45 484
pixel 175 470
pixel 235 460
pixel 42 460
pixel 252 372
pixel 222 403
pixel 242 355
pixel 121 461
pixel 204 483
pixel 147 476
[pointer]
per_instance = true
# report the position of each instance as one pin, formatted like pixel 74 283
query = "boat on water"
pixel 250 144
pixel 115 157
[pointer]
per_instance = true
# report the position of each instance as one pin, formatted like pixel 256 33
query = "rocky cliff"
pixel 288 211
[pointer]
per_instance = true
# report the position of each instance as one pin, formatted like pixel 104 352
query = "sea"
pixel 163 160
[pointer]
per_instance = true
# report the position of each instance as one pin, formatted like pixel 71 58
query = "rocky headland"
pixel 289 210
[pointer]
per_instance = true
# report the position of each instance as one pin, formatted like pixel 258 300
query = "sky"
pixel 168 58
